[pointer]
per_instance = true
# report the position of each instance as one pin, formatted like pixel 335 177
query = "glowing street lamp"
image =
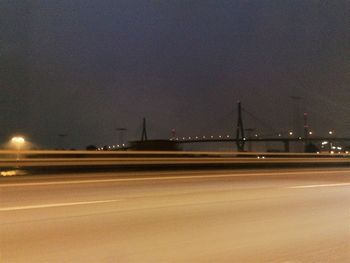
pixel 18 142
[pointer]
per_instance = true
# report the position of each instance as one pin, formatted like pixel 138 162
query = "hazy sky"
pixel 86 67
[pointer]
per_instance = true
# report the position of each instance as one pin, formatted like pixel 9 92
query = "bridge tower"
pixel 240 130
pixel 144 131
pixel 306 132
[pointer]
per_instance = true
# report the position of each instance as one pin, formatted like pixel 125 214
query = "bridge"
pixel 240 139
pixel 285 140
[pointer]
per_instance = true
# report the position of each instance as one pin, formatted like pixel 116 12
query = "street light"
pixel 18 141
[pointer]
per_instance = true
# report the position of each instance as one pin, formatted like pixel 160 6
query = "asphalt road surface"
pixel 201 216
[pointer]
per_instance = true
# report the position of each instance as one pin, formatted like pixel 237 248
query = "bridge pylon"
pixel 144 131
pixel 240 130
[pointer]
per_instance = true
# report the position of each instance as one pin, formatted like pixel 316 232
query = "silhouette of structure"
pixel 91 147
pixel 297 121
pixel 240 139
pixel 306 134
pixel 144 131
pixel 152 145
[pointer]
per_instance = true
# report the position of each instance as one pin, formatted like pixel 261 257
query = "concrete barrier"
pixel 85 161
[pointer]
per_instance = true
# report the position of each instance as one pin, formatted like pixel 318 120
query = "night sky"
pixel 87 67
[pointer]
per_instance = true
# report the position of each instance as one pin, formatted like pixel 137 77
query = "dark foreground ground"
pixel 200 216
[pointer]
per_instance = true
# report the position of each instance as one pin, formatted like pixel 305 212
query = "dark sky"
pixel 86 67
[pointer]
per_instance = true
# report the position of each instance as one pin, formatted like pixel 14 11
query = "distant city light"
pixel 290 133
pixel 330 132
pixel 310 132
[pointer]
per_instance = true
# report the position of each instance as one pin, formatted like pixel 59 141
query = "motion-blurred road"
pixel 201 216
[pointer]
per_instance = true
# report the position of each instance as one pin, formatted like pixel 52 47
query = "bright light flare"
pixel 18 140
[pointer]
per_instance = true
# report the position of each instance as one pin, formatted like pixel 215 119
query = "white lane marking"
pixel 170 178
pixel 318 185
pixel 15 208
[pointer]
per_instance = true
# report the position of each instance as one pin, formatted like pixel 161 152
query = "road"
pixel 200 216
